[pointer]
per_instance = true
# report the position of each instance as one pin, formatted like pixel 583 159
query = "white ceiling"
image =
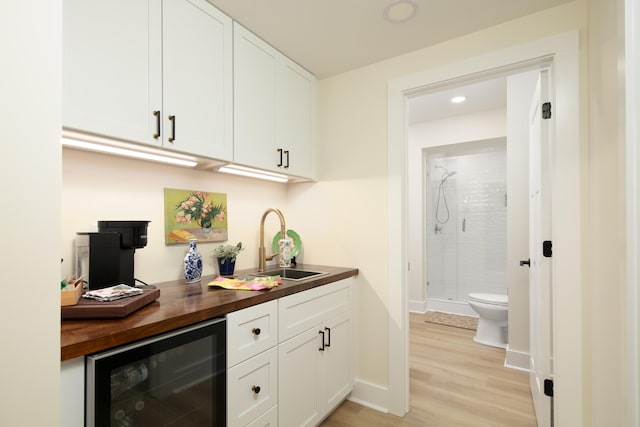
pixel 328 37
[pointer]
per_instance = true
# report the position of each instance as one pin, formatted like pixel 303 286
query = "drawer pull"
pixel 321 332
pixel 255 331
pixel 328 330
pixel 255 389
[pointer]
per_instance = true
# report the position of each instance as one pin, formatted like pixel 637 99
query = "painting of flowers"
pixel 190 214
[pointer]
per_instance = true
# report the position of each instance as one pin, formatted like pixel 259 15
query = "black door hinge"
pixel 546 248
pixel 546 110
pixel 548 387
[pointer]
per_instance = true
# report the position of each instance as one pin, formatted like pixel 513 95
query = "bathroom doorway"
pixel 470 187
pixel 562 50
pixel 467 195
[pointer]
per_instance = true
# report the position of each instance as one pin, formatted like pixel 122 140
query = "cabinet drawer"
pixel 268 419
pixel 252 388
pixel 251 331
pixel 301 311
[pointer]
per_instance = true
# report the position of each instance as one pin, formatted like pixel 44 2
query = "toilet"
pixel 492 310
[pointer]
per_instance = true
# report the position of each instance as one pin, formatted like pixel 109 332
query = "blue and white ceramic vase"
pixel 193 263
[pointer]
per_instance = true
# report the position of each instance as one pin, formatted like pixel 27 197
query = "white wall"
pixel 30 117
pixel 455 130
pixel 102 187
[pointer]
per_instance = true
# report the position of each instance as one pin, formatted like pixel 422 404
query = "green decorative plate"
pixel 297 243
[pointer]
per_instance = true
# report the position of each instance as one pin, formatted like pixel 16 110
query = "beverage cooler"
pixel 174 379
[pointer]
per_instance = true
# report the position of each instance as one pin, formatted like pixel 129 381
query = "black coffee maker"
pixel 105 258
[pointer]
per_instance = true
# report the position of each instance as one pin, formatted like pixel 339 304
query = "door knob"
pixel 527 263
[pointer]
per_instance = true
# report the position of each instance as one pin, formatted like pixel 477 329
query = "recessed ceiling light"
pixel 400 11
pixel 458 99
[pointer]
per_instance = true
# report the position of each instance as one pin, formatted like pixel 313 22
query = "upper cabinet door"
pixel 255 100
pixel 197 79
pixel 111 67
pixel 274 108
pixel 297 118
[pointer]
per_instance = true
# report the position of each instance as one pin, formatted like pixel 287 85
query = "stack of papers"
pixel 113 293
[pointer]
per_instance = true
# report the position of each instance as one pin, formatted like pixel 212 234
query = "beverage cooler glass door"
pixel 174 379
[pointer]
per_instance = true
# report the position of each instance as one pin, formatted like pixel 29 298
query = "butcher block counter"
pixel 181 305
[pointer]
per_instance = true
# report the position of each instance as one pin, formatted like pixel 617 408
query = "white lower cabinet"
pixel 299 380
pixel 268 419
pixel 316 365
pixel 252 365
pixel 252 388
pixel 298 366
pixel 336 373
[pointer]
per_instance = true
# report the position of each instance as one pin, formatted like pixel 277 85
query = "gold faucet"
pixel 262 257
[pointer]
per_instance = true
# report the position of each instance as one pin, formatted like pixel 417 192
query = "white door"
pixel 540 268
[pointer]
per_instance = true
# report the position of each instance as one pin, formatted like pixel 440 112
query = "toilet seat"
pixel 491 299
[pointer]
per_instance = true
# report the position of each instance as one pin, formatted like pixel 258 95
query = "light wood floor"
pixel 454 382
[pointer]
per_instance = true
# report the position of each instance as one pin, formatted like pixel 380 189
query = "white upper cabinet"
pixel 254 100
pixel 297 118
pixel 274 108
pixel 150 71
pixel 197 85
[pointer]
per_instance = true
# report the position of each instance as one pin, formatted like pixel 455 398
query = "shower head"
pixel 446 175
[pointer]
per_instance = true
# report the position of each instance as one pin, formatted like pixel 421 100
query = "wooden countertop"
pixel 180 305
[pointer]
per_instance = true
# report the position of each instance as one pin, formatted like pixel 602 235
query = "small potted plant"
pixel 226 256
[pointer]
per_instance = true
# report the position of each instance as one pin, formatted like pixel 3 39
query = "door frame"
pixel 632 124
pixel 563 51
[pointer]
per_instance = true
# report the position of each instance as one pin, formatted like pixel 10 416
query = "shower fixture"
pixel 442 196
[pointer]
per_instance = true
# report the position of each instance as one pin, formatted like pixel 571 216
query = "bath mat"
pixel 455 320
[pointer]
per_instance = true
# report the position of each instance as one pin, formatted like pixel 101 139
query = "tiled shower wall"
pixel 467 239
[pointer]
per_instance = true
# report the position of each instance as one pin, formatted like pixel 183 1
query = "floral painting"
pixel 190 214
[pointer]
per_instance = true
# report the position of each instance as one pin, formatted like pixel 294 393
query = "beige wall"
pixel 605 270
pixel 30 117
pixel 101 187
pixel 353 136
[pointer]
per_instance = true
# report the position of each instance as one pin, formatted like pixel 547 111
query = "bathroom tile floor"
pixel 454 382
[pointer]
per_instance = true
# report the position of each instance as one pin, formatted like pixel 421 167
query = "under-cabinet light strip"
pixel 253 173
pixel 120 151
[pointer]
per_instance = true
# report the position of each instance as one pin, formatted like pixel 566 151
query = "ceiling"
pixel 328 37
pixel 480 96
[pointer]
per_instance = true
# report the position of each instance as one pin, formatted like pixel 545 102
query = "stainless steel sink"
pixel 290 274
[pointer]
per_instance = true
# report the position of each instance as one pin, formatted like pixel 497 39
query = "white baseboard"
pixel 461 308
pixel 517 360
pixel 419 307
pixel 370 395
